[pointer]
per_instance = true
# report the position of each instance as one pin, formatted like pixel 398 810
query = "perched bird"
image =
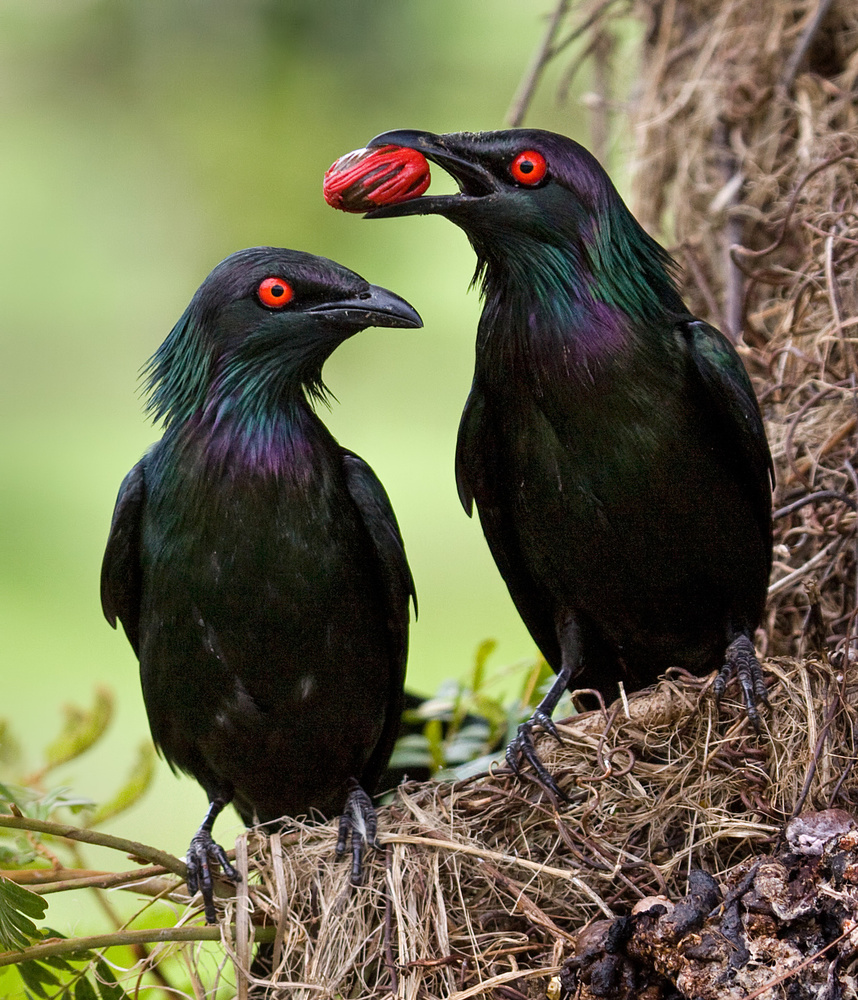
pixel 611 441
pixel 256 566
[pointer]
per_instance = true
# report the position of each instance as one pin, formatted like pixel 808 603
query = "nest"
pixel 484 885
pixel 747 152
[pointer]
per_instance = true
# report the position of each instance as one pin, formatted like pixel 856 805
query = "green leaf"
pixel 58 798
pixel 536 676
pixel 57 961
pixel 84 990
pixel 34 975
pixel 139 780
pixel 17 905
pixel 106 982
pixel 411 750
pixel 82 728
pixel 10 748
pixel 433 732
pixel 11 858
pixel 484 651
pixel 14 794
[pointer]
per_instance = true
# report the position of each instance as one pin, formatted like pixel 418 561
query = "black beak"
pixel 376 306
pixel 473 179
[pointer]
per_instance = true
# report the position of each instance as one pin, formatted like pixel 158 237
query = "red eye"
pixel 274 292
pixel 528 167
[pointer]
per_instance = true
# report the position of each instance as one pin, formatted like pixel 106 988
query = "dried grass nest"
pixel 482 887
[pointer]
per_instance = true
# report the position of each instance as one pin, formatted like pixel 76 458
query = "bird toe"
pixel 204 855
pixel 522 748
pixel 741 661
pixel 358 823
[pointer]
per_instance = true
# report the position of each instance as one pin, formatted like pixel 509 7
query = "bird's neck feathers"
pixel 245 409
pixel 583 295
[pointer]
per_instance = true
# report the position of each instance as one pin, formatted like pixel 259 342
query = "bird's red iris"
pixel 528 167
pixel 274 292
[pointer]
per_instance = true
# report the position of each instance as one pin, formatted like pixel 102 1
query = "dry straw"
pixel 485 884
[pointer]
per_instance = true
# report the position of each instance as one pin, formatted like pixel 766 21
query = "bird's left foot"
pixel 203 855
pixel 741 659
pixel 359 822
pixel 522 748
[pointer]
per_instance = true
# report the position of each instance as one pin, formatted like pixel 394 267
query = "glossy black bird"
pixel 611 441
pixel 256 566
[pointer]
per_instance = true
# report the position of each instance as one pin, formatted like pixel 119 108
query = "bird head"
pixel 538 206
pixel 261 326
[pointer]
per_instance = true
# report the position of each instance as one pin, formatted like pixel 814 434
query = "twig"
pixel 132 847
pixel 242 920
pixel 154 935
pixel 817 751
pixel 797 574
pixel 527 87
pixel 770 985
pixel 482 988
pixel 585 25
pixel 807 36
pixel 813 498
pixel 748 254
pixel 389 958
pixel 144 881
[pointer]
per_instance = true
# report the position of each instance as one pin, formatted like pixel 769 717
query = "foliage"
pixel 464 728
pixel 76 974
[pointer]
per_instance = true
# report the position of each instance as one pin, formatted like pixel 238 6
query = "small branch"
pixel 144 881
pixel 482 988
pixel 813 498
pixel 772 983
pixel 155 935
pixel 46 876
pixel 797 574
pixel 131 847
pixel 807 36
pixel 527 87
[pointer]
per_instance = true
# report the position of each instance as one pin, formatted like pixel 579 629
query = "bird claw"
pixel 359 822
pixel 522 747
pixel 204 853
pixel 741 660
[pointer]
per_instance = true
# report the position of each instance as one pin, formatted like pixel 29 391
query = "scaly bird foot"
pixel 522 747
pixel 202 855
pixel 741 659
pixel 359 822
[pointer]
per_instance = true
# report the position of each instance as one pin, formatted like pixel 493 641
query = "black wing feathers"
pixel 377 514
pixel 120 569
pixel 729 396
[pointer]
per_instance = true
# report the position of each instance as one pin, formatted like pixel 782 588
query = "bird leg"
pixel 741 659
pixel 202 854
pixel 359 822
pixel 522 746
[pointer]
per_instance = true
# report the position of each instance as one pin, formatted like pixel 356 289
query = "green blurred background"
pixel 142 141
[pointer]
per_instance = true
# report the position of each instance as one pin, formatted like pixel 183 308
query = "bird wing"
pixel 479 471
pixel 725 386
pixel 467 449
pixel 120 569
pixel 377 514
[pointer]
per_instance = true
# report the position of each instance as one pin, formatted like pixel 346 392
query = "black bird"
pixel 611 441
pixel 256 566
